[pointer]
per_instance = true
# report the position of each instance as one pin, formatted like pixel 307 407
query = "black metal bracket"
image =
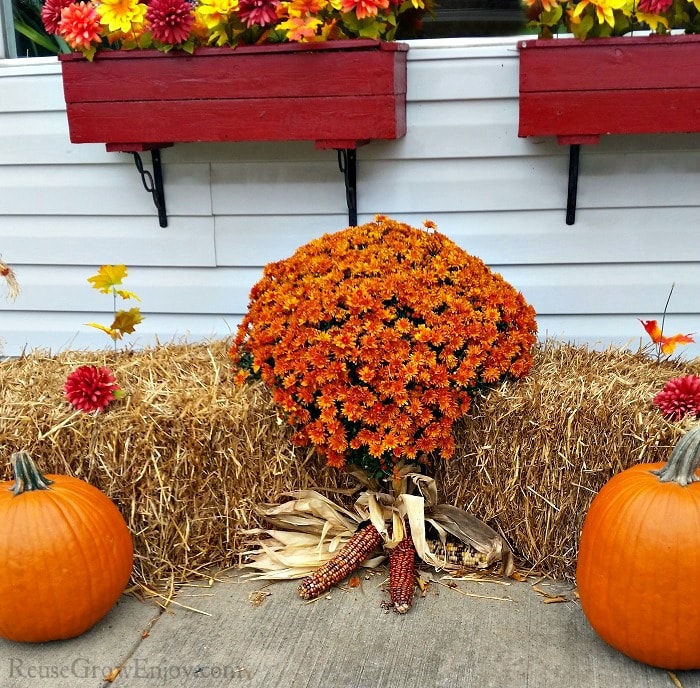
pixel 574 150
pixel 347 161
pixel 153 183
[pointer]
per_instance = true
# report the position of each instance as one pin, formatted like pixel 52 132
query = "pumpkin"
pixel 639 560
pixel 65 555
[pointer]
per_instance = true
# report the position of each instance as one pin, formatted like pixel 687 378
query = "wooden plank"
pixel 323 93
pixel 617 64
pixel 234 74
pixel 260 119
pixel 633 111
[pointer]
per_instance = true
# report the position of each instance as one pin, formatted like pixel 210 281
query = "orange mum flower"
pixel 80 25
pixel 375 339
pixel 364 8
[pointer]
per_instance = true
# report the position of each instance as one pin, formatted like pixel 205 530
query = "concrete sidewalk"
pixel 477 635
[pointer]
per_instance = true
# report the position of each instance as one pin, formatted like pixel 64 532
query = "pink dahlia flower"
pixel 680 397
pixel 654 6
pixel 171 21
pixel 258 12
pixel 90 388
pixel 51 14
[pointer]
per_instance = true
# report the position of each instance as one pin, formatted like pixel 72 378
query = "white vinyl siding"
pixel 66 209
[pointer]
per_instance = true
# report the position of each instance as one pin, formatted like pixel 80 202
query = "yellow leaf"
pixel 127 294
pixel 104 328
pixel 107 277
pixel 112 675
pixel 126 321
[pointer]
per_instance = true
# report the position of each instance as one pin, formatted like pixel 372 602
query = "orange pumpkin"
pixel 639 560
pixel 65 555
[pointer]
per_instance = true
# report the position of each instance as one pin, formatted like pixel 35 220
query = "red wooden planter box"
pixel 577 90
pixel 336 93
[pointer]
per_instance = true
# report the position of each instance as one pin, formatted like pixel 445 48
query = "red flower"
pixel 654 6
pixel 679 397
pixel 90 388
pixel 258 12
pixel 171 20
pixel 80 25
pixel 51 14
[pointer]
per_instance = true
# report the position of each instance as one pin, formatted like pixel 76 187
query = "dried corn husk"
pixel 310 529
pixel 314 527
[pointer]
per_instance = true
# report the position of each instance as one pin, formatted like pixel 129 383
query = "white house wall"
pixel 66 209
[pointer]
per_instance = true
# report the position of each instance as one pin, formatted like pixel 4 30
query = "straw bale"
pixel 533 453
pixel 186 455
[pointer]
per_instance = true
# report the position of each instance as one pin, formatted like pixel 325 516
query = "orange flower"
pixel 375 338
pixel 80 25
pixel 666 345
pixel 653 330
pixel 364 8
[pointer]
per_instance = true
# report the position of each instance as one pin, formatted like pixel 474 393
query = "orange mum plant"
pixel 375 339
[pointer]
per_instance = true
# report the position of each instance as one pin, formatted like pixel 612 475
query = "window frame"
pixel 6 40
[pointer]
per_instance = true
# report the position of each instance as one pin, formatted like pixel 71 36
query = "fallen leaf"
pixel 550 598
pixel 112 675
pixel 257 597
pixel 354 581
pixel 675 679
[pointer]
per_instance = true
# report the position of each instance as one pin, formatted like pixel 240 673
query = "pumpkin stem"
pixel 27 476
pixel 684 460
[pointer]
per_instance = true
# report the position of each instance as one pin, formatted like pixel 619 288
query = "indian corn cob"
pixel 350 556
pixel 402 568
pixel 457 552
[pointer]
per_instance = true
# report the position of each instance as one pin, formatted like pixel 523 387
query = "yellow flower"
pixel 213 13
pixel 653 20
pixel 300 28
pixel 604 9
pixel 119 15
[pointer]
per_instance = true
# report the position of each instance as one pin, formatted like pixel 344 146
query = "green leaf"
pixel 552 16
pixel 583 29
pixel 37 37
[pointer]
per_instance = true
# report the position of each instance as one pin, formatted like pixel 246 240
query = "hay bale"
pixel 535 452
pixel 186 455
